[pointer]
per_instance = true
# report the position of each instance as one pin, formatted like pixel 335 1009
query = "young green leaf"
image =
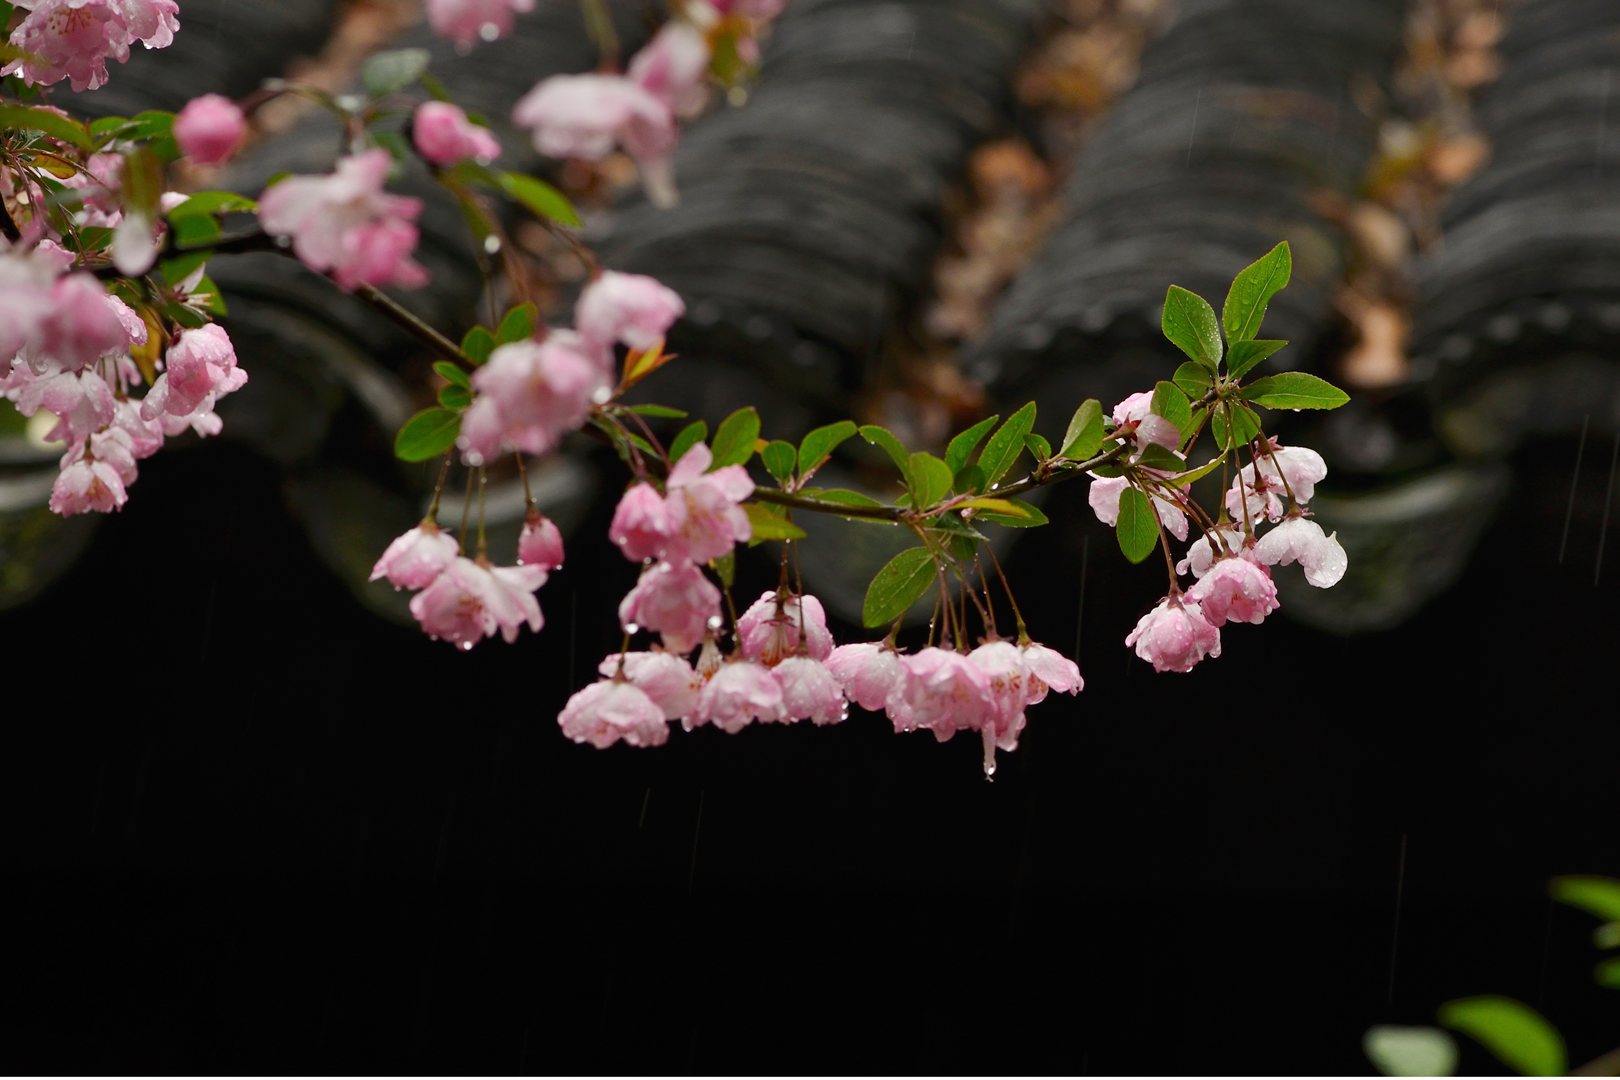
pixel 478 344
pixel 734 439
pixel 767 525
pixel 149 124
pixel 1038 446
pixel 686 438
pixel 517 326
pixel 641 444
pixel 394 70
pixel 779 458
pixel 455 397
pixel 1252 290
pixel 1591 893
pixel 1195 378
pixel 1006 444
pixel 541 198
pixel 1085 431
pixel 930 479
pixel 106 125
pixel 427 435
pixel 1170 403
pixel 1137 530
pixel 819 444
pixel 663 411
pixel 1520 1037
pixel 1295 390
pixel 898 585
pixel 891 446
pixel 1189 323
pixel 453 373
pixel 962 447
pixel 1244 355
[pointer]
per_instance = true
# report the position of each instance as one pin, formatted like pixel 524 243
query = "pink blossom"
pixel 1301 467
pixel 737 695
pixel 209 129
pixel 607 711
pixel 145 438
pixel 631 308
pixel 468 602
pixel 666 678
pixel 674 67
pixel 81 400
pixel 705 518
pixel 74 39
pixel 1003 666
pixel 466 21
pixel 530 394
pixel 346 224
pixel 767 632
pixel 540 543
pixel 944 692
pixel 25 299
pixel 809 691
pixel 868 671
pixel 584 116
pixel 1322 557
pixel 201 369
pixel 86 485
pixel 416 557
pixel 1049 670
pixel 1200 556
pixel 674 599
pixel 1174 636
pixel 444 135
pixel 84 324
pixel 1236 589
pixel 1149 428
pixel 641 523
pixel 1104 498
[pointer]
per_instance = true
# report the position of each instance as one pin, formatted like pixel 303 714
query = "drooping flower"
pixel 738 694
pixel 1104 498
pixel 630 308
pixel 1200 556
pixel 1264 488
pixel 868 671
pixel 81 400
pixel 346 224
pixel 1236 589
pixel 74 39
pixel 540 543
pixel 641 525
pixel 674 599
pixel 209 129
pixel 674 67
pixel 666 678
pixel 1300 539
pixel 768 634
pixel 469 601
pixel 809 691
pixel 443 135
pixel 530 394
pixel 25 299
pixel 1174 636
pixel 1049 669
pixel 83 325
pixel 417 557
pixel 607 711
pixel 467 21
pixel 704 514
pixel 200 369
pixel 87 485
pixel 584 116
pixel 943 692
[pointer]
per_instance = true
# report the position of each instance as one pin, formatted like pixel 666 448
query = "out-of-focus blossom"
pixel 25 299
pixel 540 543
pixel 676 600
pixel 209 129
pixel 641 525
pixel 444 135
pixel 674 67
pixel 630 308
pixel 201 369
pixel 1104 498
pixel 869 671
pixel 1174 636
pixel 346 224
pixel 83 325
pixel 768 634
pixel 467 21
pixel 737 695
pixel 703 507
pixel 1300 539
pixel 530 394
pixel 607 711
pixel 74 39
pixel 81 400
pixel 809 691
pixel 416 557
pixel 1236 589
pixel 666 678
pixel 468 602
pixel 585 116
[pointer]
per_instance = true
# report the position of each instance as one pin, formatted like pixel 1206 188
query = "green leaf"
pixel 768 526
pixel 898 585
pixel 541 198
pixel 1154 456
pixel 455 397
pixel 180 267
pixel 1608 973
pixel 1591 893
pixel 213 202
pixel 517 326
pixel 1170 403
pixel 726 568
pixel 663 411
pixel 395 144
pixel 91 238
pixel 734 439
pixel 1245 425
pixel 1189 323
pixel 22 118
pixel 1194 378
pixel 962 447
pixel 1295 390
pixel 686 438
pixel 1006 444
pixel 393 70
pixel 819 444
pixel 641 444
pixel 184 315
pixel 1194 425
pixel 1184 478
pixel 930 479
pixel 276 178
pixel 891 445
pixel 1137 530
pixel 779 457
pixel 1410 1051
pixel 198 230
pixel 1252 290
pixel 106 124
pixel 1038 446
pixel 968 478
pixel 453 373
pixel 1029 519
pixel 1243 355
pixel 1085 432
pixel 427 435
pixel 840 495
pixel 150 124
pixel 1520 1037
pixel 478 343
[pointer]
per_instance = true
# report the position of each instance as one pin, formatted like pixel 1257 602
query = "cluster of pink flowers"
pixel 74 39
pixel 1231 563
pixel 464 600
pixel 587 116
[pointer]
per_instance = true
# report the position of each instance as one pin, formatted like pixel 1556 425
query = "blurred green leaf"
pixel 198 230
pixel 1591 893
pixel 663 411
pixel 897 586
pixel 453 373
pixel 427 435
pixel 478 343
pixel 779 458
pixel 455 397
pixel 1252 290
pixel 23 118
pixel 1137 529
pixel 517 326
pixel 393 70
pixel 1520 1037
pixel 734 438
pixel 686 438
pixel 541 198
pixel 213 202
pixel 1189 323
pixel 726 568
pixel 767 525
pixel 180 267
pixel 815 447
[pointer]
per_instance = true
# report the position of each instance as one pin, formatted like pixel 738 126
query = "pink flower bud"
pixel 1236 589
pixel 868 671
pixel 540 544
pixel 209 129
pixel 417 557
pixel 641 525
pixel 201 369
pixel 769 635
pixel 631 308
pixel 1174 636
pixel 444 135
pixel 607 711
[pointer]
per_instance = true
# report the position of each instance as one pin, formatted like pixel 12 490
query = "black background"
pixel 253 829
